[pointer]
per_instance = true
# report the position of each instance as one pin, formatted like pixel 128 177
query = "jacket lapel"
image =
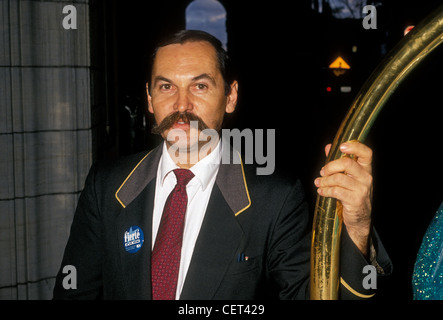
pixel 219 237
pixel 220 234
pixel 231 180
pixel 136 266
pixel 138 179
pixel 136 198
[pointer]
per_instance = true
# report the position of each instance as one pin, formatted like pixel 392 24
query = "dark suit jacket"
pixel 265 218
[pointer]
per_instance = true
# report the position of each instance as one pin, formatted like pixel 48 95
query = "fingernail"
pixel 317 182
pixel 322 172
pixel 344 147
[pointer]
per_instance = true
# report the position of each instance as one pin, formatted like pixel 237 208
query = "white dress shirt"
pixel 198 190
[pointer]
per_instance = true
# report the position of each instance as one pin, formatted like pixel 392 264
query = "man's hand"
pixel 350 181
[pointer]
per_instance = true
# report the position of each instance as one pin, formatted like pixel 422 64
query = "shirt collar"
pixel 204 170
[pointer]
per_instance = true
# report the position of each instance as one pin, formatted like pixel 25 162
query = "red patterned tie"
pixel 165 261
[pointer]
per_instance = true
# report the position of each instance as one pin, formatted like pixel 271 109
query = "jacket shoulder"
pixel 279 179
pixel 272 193
pixel 112 173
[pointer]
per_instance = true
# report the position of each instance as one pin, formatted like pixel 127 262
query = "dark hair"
pixel 183 36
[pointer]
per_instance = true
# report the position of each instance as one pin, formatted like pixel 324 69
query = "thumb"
pixel 328 148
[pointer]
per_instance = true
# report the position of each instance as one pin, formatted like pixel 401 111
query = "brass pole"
pixel 400 61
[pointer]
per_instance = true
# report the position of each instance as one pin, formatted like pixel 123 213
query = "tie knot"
pixel 183 176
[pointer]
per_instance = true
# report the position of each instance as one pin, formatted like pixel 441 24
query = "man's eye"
pixel 201 86
pixel 165 86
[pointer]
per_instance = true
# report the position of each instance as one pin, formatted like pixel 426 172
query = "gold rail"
pixel 401 60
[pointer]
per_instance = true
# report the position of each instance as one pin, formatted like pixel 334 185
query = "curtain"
pixel 50 86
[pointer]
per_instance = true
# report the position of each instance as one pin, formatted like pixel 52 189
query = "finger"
pixel 349 198
pixel 338 183
pixel 347 166
pixel 338 180
pixel 362 153
pixel 328 148
pixel 341 194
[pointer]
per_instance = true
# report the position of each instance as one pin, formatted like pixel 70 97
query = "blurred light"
pixel 407 29
pixel 328 89
pixel 345 89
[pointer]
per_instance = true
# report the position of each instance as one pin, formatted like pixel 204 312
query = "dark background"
pixel 282 50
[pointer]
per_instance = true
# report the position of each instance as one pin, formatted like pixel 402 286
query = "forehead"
pixel 195 57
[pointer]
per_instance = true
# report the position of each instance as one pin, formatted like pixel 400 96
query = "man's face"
pixel 186 79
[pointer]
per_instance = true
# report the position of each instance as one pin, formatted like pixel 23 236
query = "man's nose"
pixel 183 102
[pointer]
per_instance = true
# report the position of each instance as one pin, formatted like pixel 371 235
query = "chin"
pixel 183 140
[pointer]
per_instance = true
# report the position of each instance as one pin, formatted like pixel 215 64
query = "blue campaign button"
pixel 133 239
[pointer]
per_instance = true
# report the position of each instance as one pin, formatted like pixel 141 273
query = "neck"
pixel 186 158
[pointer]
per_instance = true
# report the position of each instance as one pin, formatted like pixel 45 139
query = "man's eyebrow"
pixel 160 78
pixel 205 76
pixel 197 78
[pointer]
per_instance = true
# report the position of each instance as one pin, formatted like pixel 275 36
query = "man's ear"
pixel 150 109
pixel 231 102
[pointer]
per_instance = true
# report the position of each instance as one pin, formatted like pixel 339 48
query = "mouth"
pixel 181 124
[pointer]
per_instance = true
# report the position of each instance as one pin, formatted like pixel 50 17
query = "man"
pixel 240 235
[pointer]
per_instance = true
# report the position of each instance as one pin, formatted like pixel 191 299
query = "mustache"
pixel 174 117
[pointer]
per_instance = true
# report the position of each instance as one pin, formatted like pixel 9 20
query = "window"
pixel 209 16
pixel 340 9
